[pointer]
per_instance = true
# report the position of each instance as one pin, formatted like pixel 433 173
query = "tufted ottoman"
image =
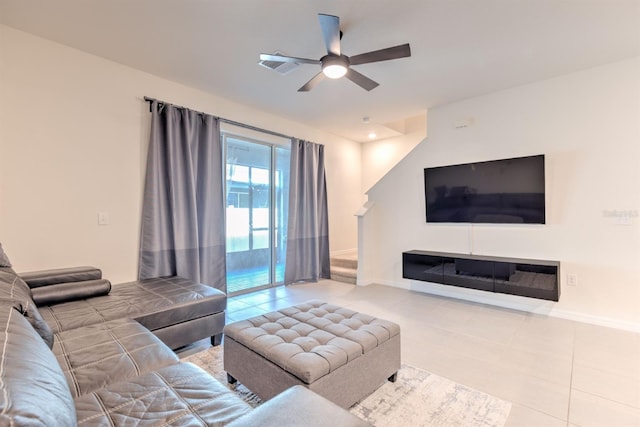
pixel 336 352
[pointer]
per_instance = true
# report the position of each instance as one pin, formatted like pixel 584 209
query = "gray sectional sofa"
pixel 91 354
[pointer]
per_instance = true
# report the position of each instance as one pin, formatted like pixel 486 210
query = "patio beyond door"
pixel 257 177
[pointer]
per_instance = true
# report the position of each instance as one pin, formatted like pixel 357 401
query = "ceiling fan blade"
pixel 331 32
pixel 361 80
pixel 312 83
pixel 280 58
pixel 401 51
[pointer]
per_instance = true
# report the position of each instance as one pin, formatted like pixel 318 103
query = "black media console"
pixel 524 277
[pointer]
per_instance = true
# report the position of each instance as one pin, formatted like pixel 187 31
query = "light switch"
pixel 103 218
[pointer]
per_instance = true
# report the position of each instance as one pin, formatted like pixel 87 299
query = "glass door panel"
pixel 255 198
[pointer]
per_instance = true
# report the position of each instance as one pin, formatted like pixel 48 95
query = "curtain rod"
pixel 223 120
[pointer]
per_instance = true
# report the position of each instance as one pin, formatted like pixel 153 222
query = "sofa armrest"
pixel 299 406
pixel 36 279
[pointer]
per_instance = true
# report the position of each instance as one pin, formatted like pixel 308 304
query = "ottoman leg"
pixel 393 377
pixel 216 340
pixel 231 380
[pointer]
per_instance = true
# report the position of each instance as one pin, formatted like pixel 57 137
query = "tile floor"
pixel 555 372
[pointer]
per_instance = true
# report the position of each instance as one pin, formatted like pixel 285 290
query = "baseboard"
pixel 597 320
pixel 513 302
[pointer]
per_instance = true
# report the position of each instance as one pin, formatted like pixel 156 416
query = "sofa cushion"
pixel 34 317
pixel 95 356
pixel 181 394
pixel 4 259
pixel 155 303
pixel 33 390
pixel 318 411
pixel 12 287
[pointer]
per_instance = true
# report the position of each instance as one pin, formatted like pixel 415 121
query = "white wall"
pixel 379 157
pixel 73 136
pixel 588 126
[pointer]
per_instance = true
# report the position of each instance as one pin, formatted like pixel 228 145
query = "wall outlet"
pixel 103 218
pixel 572 279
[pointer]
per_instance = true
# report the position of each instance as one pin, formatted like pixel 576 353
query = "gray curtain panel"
pixel 308 230
pixel 183 226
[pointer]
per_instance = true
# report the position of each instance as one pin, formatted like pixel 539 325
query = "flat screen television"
pixel 507 191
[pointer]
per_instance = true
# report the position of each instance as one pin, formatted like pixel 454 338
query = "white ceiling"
pixel 460 48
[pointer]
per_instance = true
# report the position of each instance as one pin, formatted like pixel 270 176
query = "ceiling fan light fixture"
pixel 335 64
pixel 334 71
pixel 334 67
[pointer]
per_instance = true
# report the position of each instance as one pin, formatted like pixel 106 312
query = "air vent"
pixel 280 67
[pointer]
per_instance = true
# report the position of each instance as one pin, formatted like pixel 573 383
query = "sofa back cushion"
pixel 4 259
pixel 33 389
pixel 12 287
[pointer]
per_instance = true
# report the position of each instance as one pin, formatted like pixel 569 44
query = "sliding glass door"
pixel 257 177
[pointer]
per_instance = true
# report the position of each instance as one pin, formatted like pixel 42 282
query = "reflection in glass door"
pixel 257 177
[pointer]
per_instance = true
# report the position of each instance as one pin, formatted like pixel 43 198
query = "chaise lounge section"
pixel 177 310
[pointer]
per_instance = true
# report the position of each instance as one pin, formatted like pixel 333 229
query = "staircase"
pixel 344 267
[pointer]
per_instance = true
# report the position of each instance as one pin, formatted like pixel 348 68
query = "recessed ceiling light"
pixel 372 135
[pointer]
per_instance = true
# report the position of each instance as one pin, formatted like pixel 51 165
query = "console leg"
pixel 216 340
pixel 231 380
pixel 393 377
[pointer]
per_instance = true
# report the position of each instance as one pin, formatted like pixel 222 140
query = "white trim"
pixel 240 132
pixel 364 209
pixel 513 302
pixel 597 320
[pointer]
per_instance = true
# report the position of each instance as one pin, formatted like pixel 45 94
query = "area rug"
pixel 417 398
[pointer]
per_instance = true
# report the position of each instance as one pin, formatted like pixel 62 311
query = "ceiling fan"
pixel 335 64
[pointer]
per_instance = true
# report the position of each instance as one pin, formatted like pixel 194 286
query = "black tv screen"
pixel 498 192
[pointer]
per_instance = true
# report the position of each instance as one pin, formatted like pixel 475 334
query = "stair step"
pixel 345 275
pixel 344 279
pixel 344 267
pixel 344 262
pixel 343 271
